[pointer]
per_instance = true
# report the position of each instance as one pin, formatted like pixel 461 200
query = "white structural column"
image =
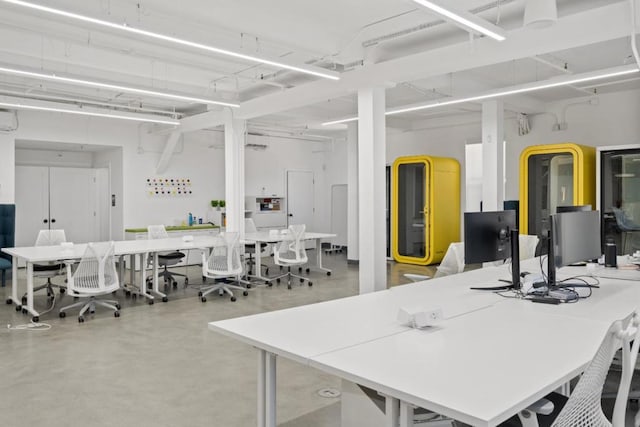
pixel 371 190
pixel 234 140
pixel 352 191
pixel 492 155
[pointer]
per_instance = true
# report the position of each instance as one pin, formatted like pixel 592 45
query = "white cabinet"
pixel 57 198
pixel 192 257
pixel 267 211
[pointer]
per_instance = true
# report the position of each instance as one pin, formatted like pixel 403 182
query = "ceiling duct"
pixel 540 13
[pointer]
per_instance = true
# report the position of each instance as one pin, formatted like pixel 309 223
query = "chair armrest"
pixel 542 407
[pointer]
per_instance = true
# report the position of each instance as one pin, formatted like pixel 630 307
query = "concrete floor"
pixel 158 365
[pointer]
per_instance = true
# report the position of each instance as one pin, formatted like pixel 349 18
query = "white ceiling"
pixel 391 42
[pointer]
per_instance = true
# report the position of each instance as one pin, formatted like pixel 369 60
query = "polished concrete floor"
pixel 158 365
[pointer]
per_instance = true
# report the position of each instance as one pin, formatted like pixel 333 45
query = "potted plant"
pixel 223 204
pixel 215 204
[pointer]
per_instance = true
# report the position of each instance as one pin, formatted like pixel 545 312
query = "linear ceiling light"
pixel 528 87
pixel 315 71
pixel 89 112
pixel 465 19
pixel 101 85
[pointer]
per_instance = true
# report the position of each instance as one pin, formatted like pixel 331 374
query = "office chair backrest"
pixel 293 250
pixel 7 228
pixel 583 407
pixel 97 269
pixel 50 237
pixel 453 261
pixel 157 232
pixel 623 221
pixel 225 256
pixel 250 226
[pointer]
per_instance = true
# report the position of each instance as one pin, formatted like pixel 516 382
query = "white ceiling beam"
pixel 210 119
pixel 605 23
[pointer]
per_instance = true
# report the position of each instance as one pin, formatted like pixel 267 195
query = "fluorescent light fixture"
pixel 528 87
pixel 465 19
pixel 15 103
pixel 109 86
pixel 314 71
pixel 337 122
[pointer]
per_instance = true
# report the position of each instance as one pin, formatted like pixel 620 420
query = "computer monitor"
pixel 492 236
pixel 576 208
pixel 574 237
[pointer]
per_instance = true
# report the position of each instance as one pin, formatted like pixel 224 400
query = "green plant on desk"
pixel 215 204
pixel 223 203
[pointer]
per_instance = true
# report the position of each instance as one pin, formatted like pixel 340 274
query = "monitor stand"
pixel 515 259
pixel 551 264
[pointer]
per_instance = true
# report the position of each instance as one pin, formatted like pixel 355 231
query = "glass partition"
pixel 411 204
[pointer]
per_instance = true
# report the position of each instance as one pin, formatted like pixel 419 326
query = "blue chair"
pixel 7 236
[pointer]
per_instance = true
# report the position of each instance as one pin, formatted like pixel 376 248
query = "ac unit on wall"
pixel 8 121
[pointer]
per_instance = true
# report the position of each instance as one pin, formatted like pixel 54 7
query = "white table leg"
pixel 262 371
pixel 406 414
pixel 14 283
pixel 318 265
pixel 270 390
pixel 392 411
pixel 258 265
pixel 155 288
pixel 142 289
pixel 29 307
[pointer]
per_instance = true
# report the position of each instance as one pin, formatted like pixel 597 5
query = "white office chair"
pixel 453 260
pixel 223 263
pixel 96 275
pixel 250 248
pixel 50 269
pixel 584 408
pixel 528 245
pixel 165 259
pixel 291 252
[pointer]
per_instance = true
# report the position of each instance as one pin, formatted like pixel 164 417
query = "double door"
pixel 72 199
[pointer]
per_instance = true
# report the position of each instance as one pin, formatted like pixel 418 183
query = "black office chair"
pixel 166 259
pixel 7 236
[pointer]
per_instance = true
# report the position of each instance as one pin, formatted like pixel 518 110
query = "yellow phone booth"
pixel 551 176
pixel 425 208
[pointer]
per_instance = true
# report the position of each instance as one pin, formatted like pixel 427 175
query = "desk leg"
pixel 143 278
pixel 406 414
pixel 29 307
pixel 14 284
pixel 266 389
pixel 392 411
pixel 156 289
pixel 258 265
pixel 319 266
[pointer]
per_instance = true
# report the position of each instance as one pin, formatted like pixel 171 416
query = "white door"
pixel 300 198
pixel 73 203
pixel 32 203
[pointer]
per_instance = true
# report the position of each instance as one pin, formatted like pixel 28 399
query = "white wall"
pixel 112 160
pixel 71 159
pixel 7 168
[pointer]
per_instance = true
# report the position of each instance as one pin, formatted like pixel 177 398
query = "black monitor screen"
pixel 576 237
pixel 486 236
pixel 576 208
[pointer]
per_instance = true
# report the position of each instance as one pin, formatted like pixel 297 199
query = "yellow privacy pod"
pixel 554 175
pixel 425 208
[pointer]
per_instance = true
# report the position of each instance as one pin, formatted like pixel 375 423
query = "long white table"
pixel 490 358
pixel 269 238
pixel 142 248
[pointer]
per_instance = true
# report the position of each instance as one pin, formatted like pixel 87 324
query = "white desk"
pixel 142 248
pixel 480 367
pixel 266 237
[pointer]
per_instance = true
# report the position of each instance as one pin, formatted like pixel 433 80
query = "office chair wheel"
pixel 92 311
pixel 116 314
pixel 186 281
pixel 308 270
pixel 266 271
pixel 203 299
pixel 200 293
pixel 18 307
pixel 62 314
pixel 310 283
pixel 328 273
pixel 301 280
pixel 299 269
pixel 24 310
pixel 269 284
pixel 35 319
pixel 127 293
pixel 249 272
pixel 118 306
pixel 175 284
pixel 24 300
pixel 9 301
pixel 278 280
pixel 134 296
pixel 233 299
pixel 151 302
pixel 248 285
pixel 80 319
pixel 165 299
pixel 62 290
pixel 245 293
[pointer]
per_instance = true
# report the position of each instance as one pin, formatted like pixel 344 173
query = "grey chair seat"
pixel 46 267
pixel 4 264
pixel 171 256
